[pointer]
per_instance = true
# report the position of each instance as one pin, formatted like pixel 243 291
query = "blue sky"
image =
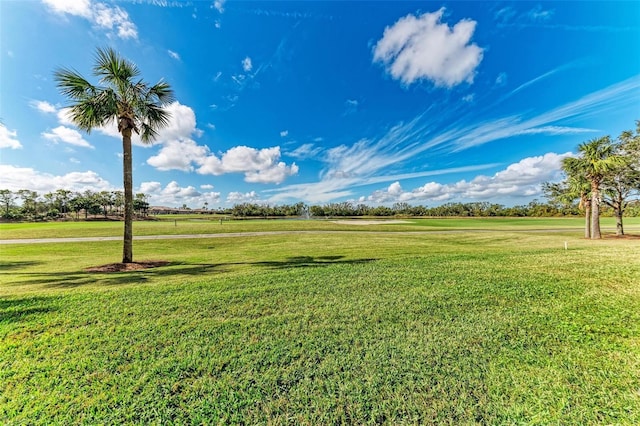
pixel 363 101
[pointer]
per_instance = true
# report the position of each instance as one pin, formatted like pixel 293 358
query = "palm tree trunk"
pixel 595 212
pixel 619 227
pixel 587 219
pixel 127 248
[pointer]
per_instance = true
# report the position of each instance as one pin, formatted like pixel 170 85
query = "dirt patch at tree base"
pixel 126 267
pixel 623 237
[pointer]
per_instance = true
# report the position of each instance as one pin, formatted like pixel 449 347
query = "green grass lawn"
pixel 205 225
pixel 325 328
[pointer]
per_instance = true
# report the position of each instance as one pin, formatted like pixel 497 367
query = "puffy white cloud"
pixel 64 117
pixel 521 179
pixel 103 16
pixel 422 47
pixel 72 7
pixel 180 152
pixel 206 186
pixel 15 178
pixel 175 195
pixel 182 125
pixel 179 155
pixel 259 166
pixel 275 174
pixel 246 64
pixel 66 135
pixel 239 197
pixel 284 133
pixel 43 106
pixel 174 55
pixel 8 138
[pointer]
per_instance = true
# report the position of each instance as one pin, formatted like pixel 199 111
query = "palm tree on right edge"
pixel 131 103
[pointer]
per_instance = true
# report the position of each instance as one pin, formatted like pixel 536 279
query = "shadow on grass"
pixel 81 278
pixel 14 310
pixel 10 265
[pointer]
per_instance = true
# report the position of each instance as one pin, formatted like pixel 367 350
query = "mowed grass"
pixel 167 225
pixel 325 328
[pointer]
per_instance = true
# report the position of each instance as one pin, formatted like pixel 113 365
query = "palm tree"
pixel 597 159
pixel 121 98
pixel 566 192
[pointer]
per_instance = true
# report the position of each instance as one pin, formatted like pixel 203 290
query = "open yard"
pixel 485 321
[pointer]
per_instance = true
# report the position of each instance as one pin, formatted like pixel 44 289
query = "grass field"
pixel 495 325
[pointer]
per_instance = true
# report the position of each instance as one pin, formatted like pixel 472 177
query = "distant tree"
pixel 6 199
pixel 29 202
pixel 140 204
pixel 133 104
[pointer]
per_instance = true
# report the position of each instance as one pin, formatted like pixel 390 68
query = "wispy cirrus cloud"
pixel 371 160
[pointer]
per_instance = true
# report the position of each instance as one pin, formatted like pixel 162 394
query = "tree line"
pixel 534 208
pixel 28 205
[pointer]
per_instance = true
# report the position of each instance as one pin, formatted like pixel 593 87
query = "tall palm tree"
pixel 132 103
pixel 597 158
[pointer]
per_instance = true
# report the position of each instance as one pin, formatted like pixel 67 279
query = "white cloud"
pixel 72 7
pixel 182 123
pixel 258 166
pixel 307 150
pixel 505 14
pixel 284 133
pixel 206 186
pixel 422 47
pixel 101 15
pixel 66 135
pixel 174 55
pixel 43 106
pixel 521 179
pixel 501 79
pixel 64 117
pixel 537 14
pixel 179 155
pixel 16 178
pixel 219 5
pixel 8 138
pixel 351 107
pixel 239 197
pixel 180 152
pixel 175 195
pixel 246 64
